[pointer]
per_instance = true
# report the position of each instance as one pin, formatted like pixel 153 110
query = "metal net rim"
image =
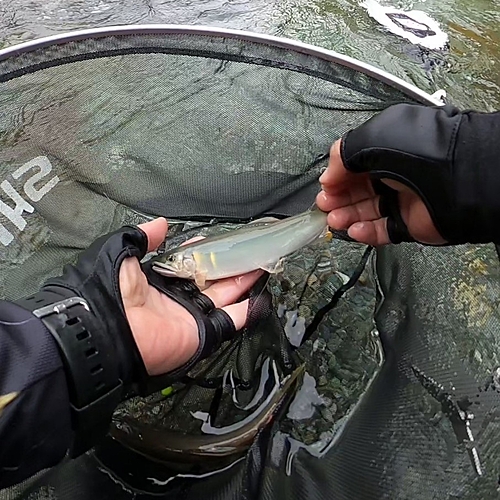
pixel 242 35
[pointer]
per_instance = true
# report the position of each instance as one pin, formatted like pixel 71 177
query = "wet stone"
pixel 327 414
pixel 332 362
pixel 304 311
pixel 335 343
pixel 324 368
pixel 348 352
pixel 319 345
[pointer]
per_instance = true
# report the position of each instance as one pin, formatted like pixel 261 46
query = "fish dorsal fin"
pixel 274 267
pixel 263 220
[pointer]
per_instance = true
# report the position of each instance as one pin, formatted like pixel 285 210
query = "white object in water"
pixel 440 95
pixel 414 25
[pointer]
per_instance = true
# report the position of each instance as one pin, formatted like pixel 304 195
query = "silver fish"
pixel 260 245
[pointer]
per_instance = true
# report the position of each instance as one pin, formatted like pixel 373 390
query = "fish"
pixel 414 25
pixel 257 245
pixel 167 446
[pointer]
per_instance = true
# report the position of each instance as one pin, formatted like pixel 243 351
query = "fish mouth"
pixel 165 270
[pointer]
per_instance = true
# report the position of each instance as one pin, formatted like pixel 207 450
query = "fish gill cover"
pixel 367 378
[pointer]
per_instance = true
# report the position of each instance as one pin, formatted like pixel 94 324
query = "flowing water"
pixel 469 72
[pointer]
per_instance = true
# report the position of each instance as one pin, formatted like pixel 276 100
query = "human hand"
pixel 115 332
pixel 166 334
pixel 352 203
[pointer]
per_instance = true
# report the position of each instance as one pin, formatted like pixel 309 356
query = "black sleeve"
pixel 477 164
pixel 35 426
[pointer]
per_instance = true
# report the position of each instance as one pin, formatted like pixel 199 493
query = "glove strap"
pixel 94 385
pixel 214 325
pixel 389 207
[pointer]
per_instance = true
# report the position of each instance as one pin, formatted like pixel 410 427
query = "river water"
pixel 469 72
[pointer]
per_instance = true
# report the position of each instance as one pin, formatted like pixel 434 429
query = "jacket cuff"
pixel 35 425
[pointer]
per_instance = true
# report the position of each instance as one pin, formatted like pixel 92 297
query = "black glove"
pixel 84 312
pixel 449 158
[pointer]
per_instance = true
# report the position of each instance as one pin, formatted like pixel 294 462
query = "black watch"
pixel 92 372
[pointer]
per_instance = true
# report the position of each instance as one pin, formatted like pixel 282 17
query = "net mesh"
pixel 399 395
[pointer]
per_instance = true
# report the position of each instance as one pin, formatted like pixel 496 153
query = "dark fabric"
pixel 97 384
pixel 449 158
pixel 95 278
pixel 389 207
pixel 35 426
pixel 215 326
pixel 477 174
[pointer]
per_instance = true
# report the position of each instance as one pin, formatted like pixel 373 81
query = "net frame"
pixel 281 42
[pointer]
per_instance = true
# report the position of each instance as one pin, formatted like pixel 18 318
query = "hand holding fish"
pixel 120 329
pixel 415 172
pixel 353 204
pixel 404 175
pixel 165 332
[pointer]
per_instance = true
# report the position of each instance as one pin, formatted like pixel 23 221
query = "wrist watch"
pixel 92 371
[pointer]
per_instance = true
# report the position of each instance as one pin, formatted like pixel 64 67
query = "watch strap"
pixel 92 373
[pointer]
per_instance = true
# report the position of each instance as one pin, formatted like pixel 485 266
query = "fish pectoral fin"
pixel 275 267
pixel 263 221
pixel 200 278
